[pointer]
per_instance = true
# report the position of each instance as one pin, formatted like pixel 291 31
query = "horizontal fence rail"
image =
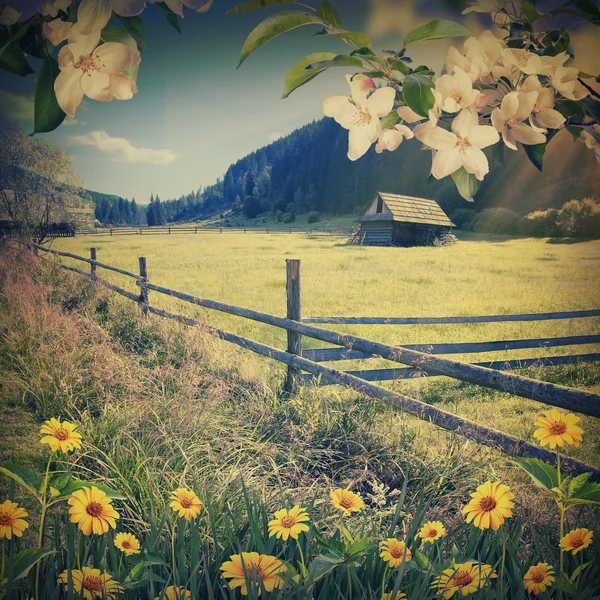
pixel 447 320
pixel 568 398
pixel 211 230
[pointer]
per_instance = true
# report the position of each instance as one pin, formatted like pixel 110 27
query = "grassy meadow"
pixel 161 406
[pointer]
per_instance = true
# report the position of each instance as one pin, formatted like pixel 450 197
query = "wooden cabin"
pixel 397 220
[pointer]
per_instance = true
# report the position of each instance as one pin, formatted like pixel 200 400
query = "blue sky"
pixel 195 113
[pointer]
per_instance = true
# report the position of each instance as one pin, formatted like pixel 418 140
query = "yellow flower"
pixel 174 593
pixel 558 429
pixel 11 520
pixel 60 436
pixel 91 583
pixel 186 503
pixel 490 505
pixel 128 543
pixel 464 578
pixel 397 596
pixel 259 569
pixel 538 578
pixel 576 540
pixel 432 531
pixel 394 552
pixel 346 501
pixel 288 523
pixel 92 510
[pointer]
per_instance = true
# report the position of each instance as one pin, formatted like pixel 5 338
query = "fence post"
pixel 294 312
pixel 93 266
pixel 143 289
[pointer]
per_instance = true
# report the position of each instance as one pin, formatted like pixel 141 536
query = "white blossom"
pixel 95 14
pixel 543 116
pixel 564 81
pixel 456 91
pixel 509 119
pixel 390 139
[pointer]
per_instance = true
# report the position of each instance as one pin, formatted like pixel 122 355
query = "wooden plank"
pixel 294 312
pixel 333 354
pixel 468 429
pixel 143 299
pixel 110 286
pixel 575 314
pixel 88 260
pixel 557 395
pixel 500 365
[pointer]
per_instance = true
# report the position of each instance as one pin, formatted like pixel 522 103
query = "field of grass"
pixel 162 406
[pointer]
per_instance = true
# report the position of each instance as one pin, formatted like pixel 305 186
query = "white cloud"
pixel 16 106
pixel 69 121
pixel 273 137
pixel 122 149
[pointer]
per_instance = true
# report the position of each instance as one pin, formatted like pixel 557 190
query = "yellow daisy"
pixel 174 593
pixel 260 569
pixel 91 583
pixel 127 543
pixel 289 523
pixel 397 596
pixel 186 503
pixel 489 505
pixel 558 429
pixel 394 552
pixel 11 520
pixel 432 531
pixel 464 578
pixel 60 436
pixel 346 501
pixel 576 540
pixel 92 509
pixel 538 578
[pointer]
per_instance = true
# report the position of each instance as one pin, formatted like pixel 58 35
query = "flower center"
pixel 525 57
pixel 462 578
pixel 88 64
pixel 462 144
pixel 558 428
pixel 467 68
pixel 456 96
pixel 537 577
pixel 61 434
pixel 346 502
pixel 564 79
pixel 255 573
pixel 288 522
pixel 94 509
pixel 397 552
pixel 576 541
pixel 186 502
pixel 362 118
pixel 511 122
pixel 126 544
pixel 432 533
pixel 92 583
pixel 487 504
pixel 5 520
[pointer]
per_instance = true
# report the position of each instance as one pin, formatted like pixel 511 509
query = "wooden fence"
pixel 298 360
pixel 212 230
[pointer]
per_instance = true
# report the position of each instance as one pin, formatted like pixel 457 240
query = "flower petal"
pixel 526 135
pixel 381 102
pixel 464 122
pixel 128 8
pixel 359 143
pixel 68 90
pixel 445 162
pixel 475 162
pixel 122 87
pixel 96 86
pixel 93 15
pixel 483 136
pixel 435 137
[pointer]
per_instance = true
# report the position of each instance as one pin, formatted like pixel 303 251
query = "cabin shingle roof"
pixel 408 209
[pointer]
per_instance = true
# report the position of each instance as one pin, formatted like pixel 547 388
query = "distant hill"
pixel 309 171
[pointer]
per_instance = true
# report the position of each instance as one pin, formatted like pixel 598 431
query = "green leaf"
pixel 329 12
pixel 322 565
pixel 137 28
pixel 530 12
pixel 421 560
pixel 592 106
pixel 136 573
pixel 14 60
pixel 273 26
pixel 257 5
pixel 48 115
pixel 390 120
pixel 572 110
pixel 77 484
pixel 356 37
pixel 34 44
pixel 299 75
pixel 535 153
pixel 172 18
pixel 466 184
pixel 579 570
pixel 585 493
pixel 417 94
pixel 341 60
pixel 543 475
pixel 435 30
pixel 397 65
pixel 22 476
pixel 360 547
pixel 563 583
pixel 26 559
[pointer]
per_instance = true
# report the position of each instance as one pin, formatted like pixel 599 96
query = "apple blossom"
pixel 51 7
pixel 543 116
pixel 591 141
pixel 390 139
pixel 17 11
pixel 97 73
pixel 461 147
pixel 456 91
pixel 564 81
pixel 484 6
pixel 177 5
pixel 527 62
pixel 95 14
pixel 487 46
pixel 473 64
pixel 508 119
pixel 360 114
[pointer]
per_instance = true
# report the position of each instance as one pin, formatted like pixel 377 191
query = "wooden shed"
pixel 397 220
